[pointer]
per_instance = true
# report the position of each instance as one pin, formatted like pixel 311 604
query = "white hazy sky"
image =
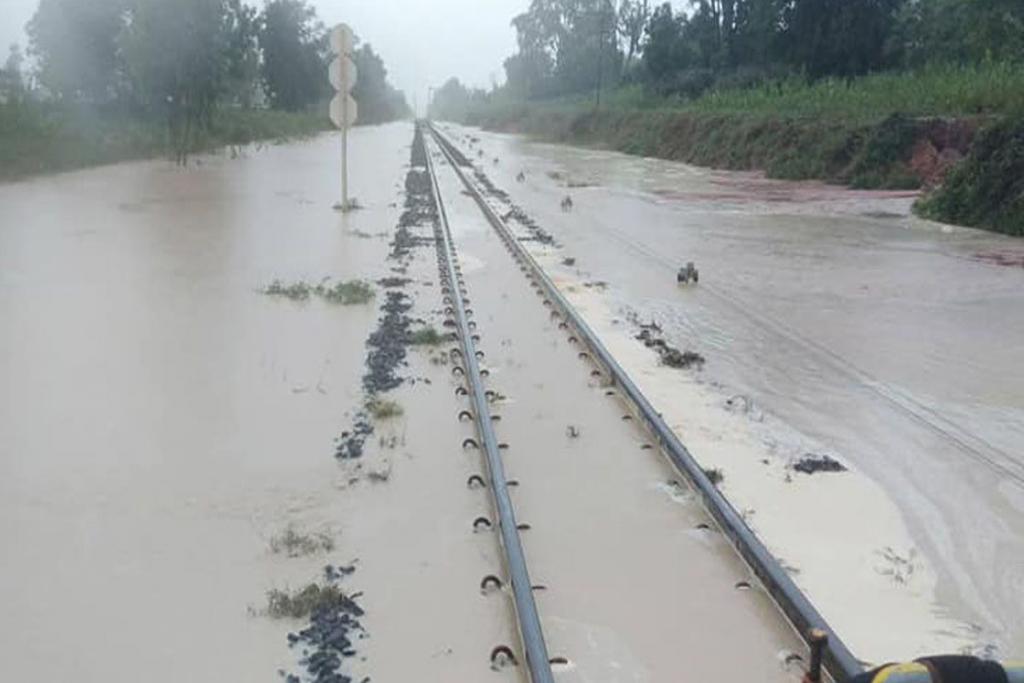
pixel 422 42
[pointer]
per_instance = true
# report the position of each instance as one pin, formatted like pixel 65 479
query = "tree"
pixel 633 18
pixel 75 45
pixel 663 53
pixel 176 60
pixel 242 53
pixel 12 79
pixel 378 101
pixel 295 54
pixel 840 37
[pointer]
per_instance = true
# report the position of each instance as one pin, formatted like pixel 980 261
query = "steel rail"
pixel 531 632
pixel 838 659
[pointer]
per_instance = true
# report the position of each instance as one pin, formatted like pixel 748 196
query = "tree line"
pixel 179 62
pixel 584 46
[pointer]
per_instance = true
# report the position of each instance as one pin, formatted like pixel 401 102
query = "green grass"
pixel 986 190
pixel 37 138
pixel 940 90
pixel 989 88
pixel 348 293
pixel 298 604
pixel 294 543
pixel 426 336
pixel 382 409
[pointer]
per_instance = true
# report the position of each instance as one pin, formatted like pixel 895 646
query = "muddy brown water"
pixel 161 421
pixel 858 331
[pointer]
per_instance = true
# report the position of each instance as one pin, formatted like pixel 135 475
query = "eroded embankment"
pixel 897 152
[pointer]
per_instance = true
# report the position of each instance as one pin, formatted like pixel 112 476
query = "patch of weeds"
pixel 344 293
pixel 352 292
pixel 294 543
pixel 297 291
pixel 715 475
pixel 382 409
pixel 426 336
pixel 284 604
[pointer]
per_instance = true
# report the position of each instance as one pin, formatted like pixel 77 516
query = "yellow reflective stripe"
pixel 901 669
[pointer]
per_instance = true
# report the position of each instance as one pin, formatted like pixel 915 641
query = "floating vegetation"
pixel 382 409
pixel 300 603
pixel 348 293
pixel 294 543
pixel 426 336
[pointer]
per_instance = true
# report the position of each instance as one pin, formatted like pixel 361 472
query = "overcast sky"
pixel 423 42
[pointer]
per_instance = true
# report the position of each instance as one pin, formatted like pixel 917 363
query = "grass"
pixel 42 138
pixel 860 132
pixel 294 543
pixel 299 604
pixel 382 409
pixel 347 293
pixel 987 189
pixel 352 292
pixel 989 88
pixel 426 336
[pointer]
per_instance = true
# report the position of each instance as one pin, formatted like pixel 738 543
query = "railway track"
pixel 794 609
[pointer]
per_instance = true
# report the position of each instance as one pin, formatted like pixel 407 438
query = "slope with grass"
pixel 37 138
pixel 902 130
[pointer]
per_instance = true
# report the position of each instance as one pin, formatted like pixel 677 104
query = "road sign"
pixel 344 111
pixel 343 74
pixel 341 115
pixel 343 41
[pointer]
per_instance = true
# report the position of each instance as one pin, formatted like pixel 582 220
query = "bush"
pixel 987 189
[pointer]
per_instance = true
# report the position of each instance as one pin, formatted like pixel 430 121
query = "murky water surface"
pixel 160 419
pixel 895 343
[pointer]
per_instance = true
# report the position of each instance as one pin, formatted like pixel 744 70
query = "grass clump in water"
pixel 384 410
pixel 284 604
pixel 349 293
pixel 294 543
pixel 297 291
pixel 426 336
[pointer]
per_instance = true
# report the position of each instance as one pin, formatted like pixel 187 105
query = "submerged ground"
pixel 162 421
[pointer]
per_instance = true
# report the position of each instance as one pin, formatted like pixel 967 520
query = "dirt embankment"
pixel 898 152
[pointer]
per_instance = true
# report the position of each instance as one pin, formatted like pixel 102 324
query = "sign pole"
pixel 344 164
pixel 342 74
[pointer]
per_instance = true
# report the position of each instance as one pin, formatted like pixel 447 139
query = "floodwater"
pixel 636 579
pixel 161 421
pixel 844 326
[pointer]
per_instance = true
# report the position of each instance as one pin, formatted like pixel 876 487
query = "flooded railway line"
pixel 621 566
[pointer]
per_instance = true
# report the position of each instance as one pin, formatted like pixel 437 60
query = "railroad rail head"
pixel 530 630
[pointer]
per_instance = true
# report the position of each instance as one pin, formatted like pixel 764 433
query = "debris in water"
pixel 812 463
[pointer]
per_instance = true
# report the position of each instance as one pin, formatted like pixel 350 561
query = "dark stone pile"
pixel 327 641
pixel 812 463
pixel 651 336
pixel 388 344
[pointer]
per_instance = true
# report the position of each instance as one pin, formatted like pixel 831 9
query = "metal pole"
pixel 344 160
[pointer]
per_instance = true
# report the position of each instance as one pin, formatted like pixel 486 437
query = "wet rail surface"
pixel 611 380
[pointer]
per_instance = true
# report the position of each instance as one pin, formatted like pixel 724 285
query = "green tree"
pixel 242 53
pixel 295 54
pixel 841 37
pixel 176 58
pixel 12 78
pixel 633 18
pixel 75 46
pixel 378 101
